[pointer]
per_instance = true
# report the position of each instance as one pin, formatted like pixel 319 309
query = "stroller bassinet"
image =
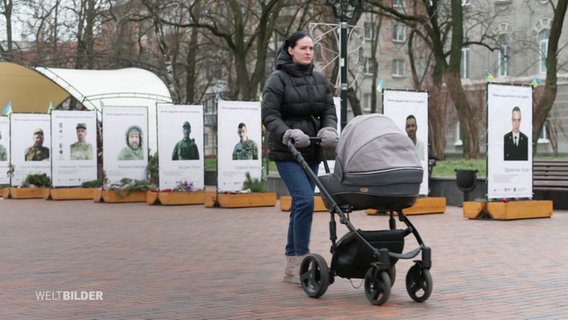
pixel 376 166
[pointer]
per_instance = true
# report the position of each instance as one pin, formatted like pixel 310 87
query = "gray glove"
pixel 329 137
pixel 298 137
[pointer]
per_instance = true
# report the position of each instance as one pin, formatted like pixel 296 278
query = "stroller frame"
pixel 354 256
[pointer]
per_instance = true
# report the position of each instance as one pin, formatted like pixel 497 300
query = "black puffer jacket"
pixel 296 97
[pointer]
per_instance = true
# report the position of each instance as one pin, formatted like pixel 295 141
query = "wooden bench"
pixel 550 175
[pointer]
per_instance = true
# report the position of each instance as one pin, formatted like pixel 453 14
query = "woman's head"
pixel 300 47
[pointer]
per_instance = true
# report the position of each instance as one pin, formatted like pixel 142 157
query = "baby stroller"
pixel 376 167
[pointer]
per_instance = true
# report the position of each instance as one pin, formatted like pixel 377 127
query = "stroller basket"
pixel 351 258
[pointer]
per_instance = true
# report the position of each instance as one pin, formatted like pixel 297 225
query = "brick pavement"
pixel 191 262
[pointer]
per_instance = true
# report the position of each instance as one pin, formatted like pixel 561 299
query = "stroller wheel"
pixel 392 274
pixel 314 275
pixel 377 286
pixel 419 283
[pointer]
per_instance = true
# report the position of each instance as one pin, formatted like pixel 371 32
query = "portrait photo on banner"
pixel 239 143
pixel 30 151
pixel 409 110
pixel 180 146
pixel 125 142
pixel 74 146
pixel 4 150
pixel 509 141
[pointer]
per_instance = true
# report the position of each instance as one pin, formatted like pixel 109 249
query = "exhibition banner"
pixel 180 147
pixel 125 143
pixel 409 110
pixel 30 141
pixel 509 141
pixel 239 144
pixel 74 146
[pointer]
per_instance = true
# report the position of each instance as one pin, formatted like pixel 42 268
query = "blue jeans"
pixel 301 189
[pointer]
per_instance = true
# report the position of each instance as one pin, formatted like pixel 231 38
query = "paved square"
pixel 191 262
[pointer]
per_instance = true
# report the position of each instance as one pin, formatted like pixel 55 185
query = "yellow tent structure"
pixel 28 90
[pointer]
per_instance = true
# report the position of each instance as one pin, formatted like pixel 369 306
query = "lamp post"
pixel 344 10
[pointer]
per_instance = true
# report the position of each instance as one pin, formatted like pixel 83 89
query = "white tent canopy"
pixel 107 88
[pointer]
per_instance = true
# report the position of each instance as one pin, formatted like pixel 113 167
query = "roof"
pixel 28 90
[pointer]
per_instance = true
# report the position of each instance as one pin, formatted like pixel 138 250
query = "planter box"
pixel 113 197
pixel 175 198
pixel 5 193
pixel 28 193
pixel 210 200
pixel 70 193
pixel 426 205
pixel 242 200
pixel 473 209
pixel 286 203
pixel 526 209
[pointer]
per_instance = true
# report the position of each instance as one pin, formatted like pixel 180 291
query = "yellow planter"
pixel 286 204
pixel 113 197
pixel 242 200
pixel 473 209
pixel 524 209
pixel 210 199
pixel 28 193
pixel 152 197
pixel 175 198
pixel 426 205
pixel 70 193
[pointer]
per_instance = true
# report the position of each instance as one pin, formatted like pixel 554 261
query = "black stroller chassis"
pixel 369 255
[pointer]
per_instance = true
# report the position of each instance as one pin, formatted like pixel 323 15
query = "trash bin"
pixel 466 180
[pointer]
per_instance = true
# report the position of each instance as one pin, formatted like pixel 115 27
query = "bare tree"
pixel 6 10
pixel 544 104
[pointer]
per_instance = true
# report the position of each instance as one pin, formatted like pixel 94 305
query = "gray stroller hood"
pixel 375 160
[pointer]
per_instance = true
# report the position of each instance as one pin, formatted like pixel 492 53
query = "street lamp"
pixel 344 10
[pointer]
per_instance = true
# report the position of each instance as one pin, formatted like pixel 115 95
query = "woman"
pixel 297 104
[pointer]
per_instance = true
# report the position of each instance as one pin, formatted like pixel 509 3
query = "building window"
pixel 398 33
pixel 504 55
pixel 543 49
pixel 369 30
pixel 465 63
pixel 368 65
pixel 398 68
pixel 458 141
pixel 543 136
pixel 399 4
pixel 367 102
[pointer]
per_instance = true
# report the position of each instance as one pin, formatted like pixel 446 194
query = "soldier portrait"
pixel 3 151
pixel 185 149
pixel 37 152
pixel 133 149
pixel 81 150
pixel 245 149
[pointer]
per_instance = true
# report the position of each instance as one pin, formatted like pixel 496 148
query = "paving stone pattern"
pixel 192 262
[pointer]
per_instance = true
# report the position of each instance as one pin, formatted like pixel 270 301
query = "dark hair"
pixel 410 117
pixel 293 39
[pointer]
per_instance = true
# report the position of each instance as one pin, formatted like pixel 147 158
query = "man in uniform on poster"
pixel 37 152
pixel 133 149
pixel 245 149
pixel 516 143
pixel 3 151
pixel 185 149
pixel 411 128
pixel 81 150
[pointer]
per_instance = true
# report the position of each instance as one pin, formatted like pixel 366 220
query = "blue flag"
pixel 7 109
